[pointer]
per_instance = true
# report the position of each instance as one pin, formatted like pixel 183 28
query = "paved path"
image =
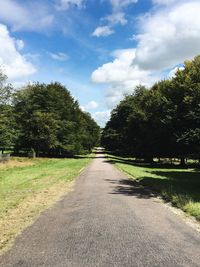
pixel 106 221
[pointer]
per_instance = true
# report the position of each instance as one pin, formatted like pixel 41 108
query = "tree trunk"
pixel 149 159
pixel 183 164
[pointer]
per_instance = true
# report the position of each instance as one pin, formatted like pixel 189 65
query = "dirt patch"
pixel 15 163
pixel 23 215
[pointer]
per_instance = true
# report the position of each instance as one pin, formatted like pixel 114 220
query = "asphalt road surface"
pixel 106 221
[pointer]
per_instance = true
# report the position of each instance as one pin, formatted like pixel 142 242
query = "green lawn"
pixel 28 186
pixel 180 186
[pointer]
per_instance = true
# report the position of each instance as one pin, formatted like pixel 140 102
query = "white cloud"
pixel 19 44
pixel 116 18
pixel 59 56
pixel 163 2
pixel 19 84
pixel 172 72
pixel 91 105
pixel 119 4
pixel 169 36
pixel 121 70
pixel 122 76
pixel 82 108
pixel 14 64
pixel 66 4
pixel 114 94
pixel 34 57
pixel 101 117
pixel 102 31
pixel 33 16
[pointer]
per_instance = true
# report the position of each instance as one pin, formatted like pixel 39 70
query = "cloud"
pixel 102 31
pixel 101 117
pixel 165 39
pixel 168 37
pixel 59 56
pixel 121 70
pixel 163 2
pixel 20 84
pixel 121 75
pixel 33 16
pixel 114 95
pixel 66 4
pixel 82 108
pixel 119 4
pixel 13 63
pixel 116 17
pixel 19 44
pixel 91 105
pixel 172 72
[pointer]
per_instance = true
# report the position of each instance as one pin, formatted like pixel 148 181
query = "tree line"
pixel 163 121
pixel 44 118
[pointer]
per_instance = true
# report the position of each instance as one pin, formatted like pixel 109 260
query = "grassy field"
pixel 180 186
pixel 28 186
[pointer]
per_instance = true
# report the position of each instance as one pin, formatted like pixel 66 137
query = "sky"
pixel 99 49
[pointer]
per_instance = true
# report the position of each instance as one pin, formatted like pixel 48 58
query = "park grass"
pixel 180 186
pixel 28 187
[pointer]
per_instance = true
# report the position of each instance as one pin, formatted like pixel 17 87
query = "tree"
pixel 162 121
pixel 6 90
pixel 51 121
pixel 7 123
pixel 89 134
pixel 187 84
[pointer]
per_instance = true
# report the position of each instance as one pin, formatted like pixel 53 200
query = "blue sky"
pixel 99 49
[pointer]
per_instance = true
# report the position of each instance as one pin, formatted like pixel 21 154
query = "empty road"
pixel 106 221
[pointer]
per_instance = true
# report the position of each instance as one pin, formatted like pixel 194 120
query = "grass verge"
pixel 177 185
pixel 28 187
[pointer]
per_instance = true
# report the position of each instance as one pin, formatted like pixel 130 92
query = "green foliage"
pixel 50 121
pixel 44 118
pixel 163 121
pixel 7 122
pixel 5 90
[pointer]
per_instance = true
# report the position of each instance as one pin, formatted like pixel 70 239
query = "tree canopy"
pixel 7 123
pixel 163 121
pixel 47 119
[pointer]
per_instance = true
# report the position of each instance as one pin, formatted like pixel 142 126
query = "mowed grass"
pixel 29 186
pixel 175 184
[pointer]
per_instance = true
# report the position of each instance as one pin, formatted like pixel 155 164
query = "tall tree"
pixel 7 122
pixel 50 120
pixel 163 121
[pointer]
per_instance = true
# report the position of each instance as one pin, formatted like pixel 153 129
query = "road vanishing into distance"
pixel 107 220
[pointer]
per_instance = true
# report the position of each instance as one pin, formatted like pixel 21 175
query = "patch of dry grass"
pixel 15 220
pixel 15 163
pixel 28 187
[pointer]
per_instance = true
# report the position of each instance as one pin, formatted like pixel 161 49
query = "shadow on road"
pixel 171 182
pixel 98 154
pixel 130 188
